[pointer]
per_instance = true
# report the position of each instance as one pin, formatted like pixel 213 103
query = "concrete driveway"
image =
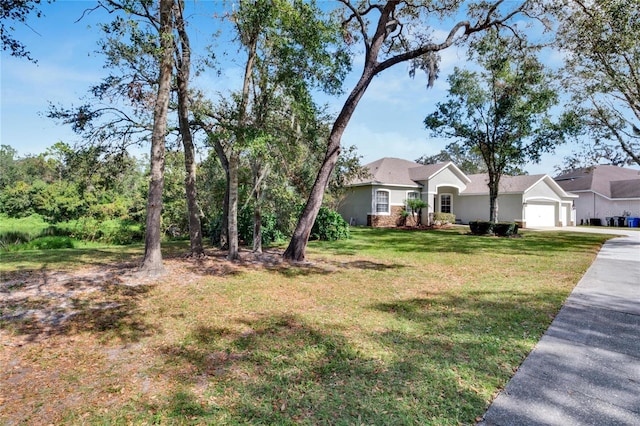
pixel 586 368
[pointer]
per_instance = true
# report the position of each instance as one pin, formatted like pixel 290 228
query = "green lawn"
pixel 389 327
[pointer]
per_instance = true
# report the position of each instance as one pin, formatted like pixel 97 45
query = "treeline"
pixel 93 194
pixel 275 147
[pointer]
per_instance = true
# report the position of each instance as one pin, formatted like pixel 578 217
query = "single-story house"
pixel 379 199
pixel 605 192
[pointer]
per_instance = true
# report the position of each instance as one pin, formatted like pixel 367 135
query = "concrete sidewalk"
pixel 586 368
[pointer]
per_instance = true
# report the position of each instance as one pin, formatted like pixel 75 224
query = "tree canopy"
pixel 501 112
pixel 391 33
pixel 13 12
pixel 602 73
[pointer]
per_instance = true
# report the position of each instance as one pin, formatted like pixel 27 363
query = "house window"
pixel 382 201
pixel 411 195
pixel 445 203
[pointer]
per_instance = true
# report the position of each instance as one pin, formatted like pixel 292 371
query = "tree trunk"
pixel 224 228
pixel 493 198
pixel 233 254
pixel 298 244
pixel 183 73
pixel 257 226
pixel 152 262
pixel 257 207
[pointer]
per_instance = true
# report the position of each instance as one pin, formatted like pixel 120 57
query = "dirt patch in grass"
pixel 76 340
pixel 38 304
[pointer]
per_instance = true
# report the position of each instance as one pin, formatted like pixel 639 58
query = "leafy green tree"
pixel 16 200
pixel 11 13
pixel 8 166
pixel 502 111
pixel 183 73
pixel 175 220
pixel 152 261
pixel 120 111
pixel 393 32
pixel 469 161
pixel 602 69
pixel 288 47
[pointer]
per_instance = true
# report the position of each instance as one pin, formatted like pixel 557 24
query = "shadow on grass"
pixel 330 267
pixel 48 304
pixel 34 260
pixel 284 371
pixel 444 358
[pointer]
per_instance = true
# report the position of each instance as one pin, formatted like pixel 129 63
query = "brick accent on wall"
pixel 387 221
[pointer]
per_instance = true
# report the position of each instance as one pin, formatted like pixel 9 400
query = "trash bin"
pixel 594 221
pixel 621 220
pixel 610 221
pixel 633 222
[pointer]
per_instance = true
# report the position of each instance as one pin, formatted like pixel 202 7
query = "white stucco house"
pixel 605 193
pixel 378 200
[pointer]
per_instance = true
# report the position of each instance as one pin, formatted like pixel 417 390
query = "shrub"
pixel 213 229
pixel 270 230
pixel 505 229
pixel 329 226
pixel 481 227
pixel 444 218
pixel 112 231
pixel 11 238
pixel 501 229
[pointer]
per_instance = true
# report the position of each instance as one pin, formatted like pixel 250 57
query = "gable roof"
pixel 507 185
pixel 429 171
pixel 396 171
pixel 610 181
pixel 389 171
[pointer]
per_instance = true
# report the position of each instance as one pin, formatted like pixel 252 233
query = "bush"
pixel 11 238
pixel 444 218
pixel 112 231
pixel 481 227
pixel 270 231
pixel 501 229
pixel 329 226
pixel 505 229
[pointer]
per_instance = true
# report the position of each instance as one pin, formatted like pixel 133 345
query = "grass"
pixel 34 232
pixel 32 225
pixel 14 232
pixel 389 327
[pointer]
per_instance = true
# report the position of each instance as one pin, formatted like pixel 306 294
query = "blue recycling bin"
pixel 633 222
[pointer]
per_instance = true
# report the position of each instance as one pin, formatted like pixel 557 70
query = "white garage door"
pixel 540 215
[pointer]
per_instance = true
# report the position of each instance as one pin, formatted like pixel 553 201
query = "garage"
pixel 540 214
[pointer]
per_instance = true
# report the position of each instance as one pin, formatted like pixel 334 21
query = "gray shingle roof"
pixel 424 172
pixel 391 171
pixel 610 181
pixel 508 184
pixel 625 188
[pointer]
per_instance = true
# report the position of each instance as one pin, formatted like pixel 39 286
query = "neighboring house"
pixel 604 192
pixel 380 199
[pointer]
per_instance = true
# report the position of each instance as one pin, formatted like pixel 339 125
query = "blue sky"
pixel 387 123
